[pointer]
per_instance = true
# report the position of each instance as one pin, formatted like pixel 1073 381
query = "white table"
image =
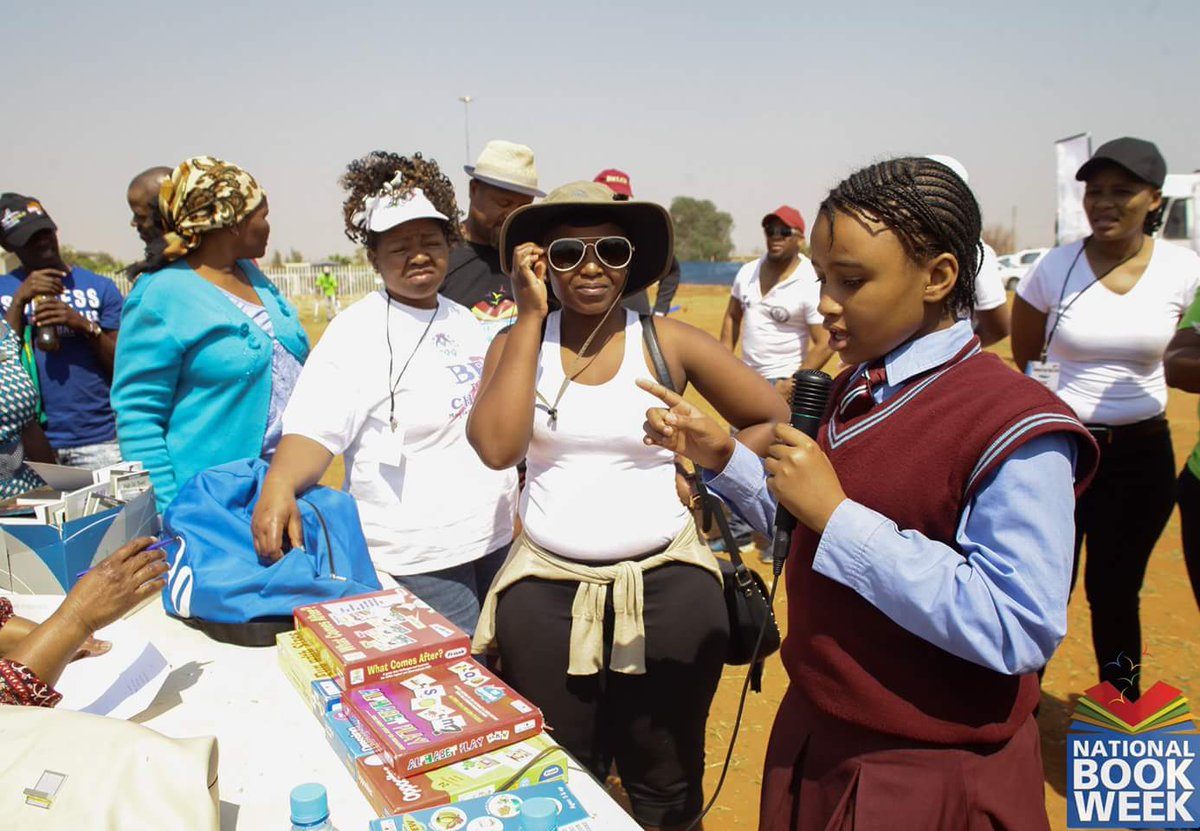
pixel 269 741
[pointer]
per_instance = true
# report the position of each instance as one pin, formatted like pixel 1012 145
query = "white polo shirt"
pixel 775 327
pixel 426 500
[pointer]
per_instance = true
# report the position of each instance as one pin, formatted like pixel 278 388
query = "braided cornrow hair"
pixel 927 206
pixel 367 176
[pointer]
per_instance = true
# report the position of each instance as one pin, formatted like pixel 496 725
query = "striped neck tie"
pixel 858 399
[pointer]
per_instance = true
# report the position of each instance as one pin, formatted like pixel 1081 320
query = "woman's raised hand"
pixel 529 269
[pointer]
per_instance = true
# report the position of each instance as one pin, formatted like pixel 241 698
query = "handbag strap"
pixel 662 371
pixel 713 509
pixel 325 533
pixel 711 506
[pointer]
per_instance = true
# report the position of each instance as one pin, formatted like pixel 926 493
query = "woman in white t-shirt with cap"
pixel 390 385
pixel 1091 321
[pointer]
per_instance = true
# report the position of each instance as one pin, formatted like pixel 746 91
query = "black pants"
pixel 653 724
pixel 1189 523
pixel 1121 517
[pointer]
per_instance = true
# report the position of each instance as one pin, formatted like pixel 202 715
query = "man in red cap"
pixel 773 306
pixel 773 309
pixel 618 182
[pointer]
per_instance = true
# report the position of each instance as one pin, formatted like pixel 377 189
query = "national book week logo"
pixel 1133 764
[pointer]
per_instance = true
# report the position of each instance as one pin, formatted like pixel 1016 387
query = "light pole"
pixel 466 99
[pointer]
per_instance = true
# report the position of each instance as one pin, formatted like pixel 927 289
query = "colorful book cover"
pixel 498 812
pixel 534 761
pixel 374 637
pixel 348 740
pixel 299 663
pixel 440 715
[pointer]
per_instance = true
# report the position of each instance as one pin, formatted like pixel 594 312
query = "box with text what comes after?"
pixel 379 636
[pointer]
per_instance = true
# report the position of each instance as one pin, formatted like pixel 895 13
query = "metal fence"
pixel 353 281
pixel 299 282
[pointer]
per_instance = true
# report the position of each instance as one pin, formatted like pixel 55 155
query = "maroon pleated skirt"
pixel 823 774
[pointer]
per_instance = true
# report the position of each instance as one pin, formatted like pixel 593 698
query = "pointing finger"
pixel 668 397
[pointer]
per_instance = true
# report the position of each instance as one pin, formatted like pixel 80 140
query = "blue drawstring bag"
pixel 218 584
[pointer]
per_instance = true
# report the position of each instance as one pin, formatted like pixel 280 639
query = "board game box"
pixel 533 761
pixel 498 812
pixel 301 666
pixel 440 715
pixel 349 741
pixel 375 637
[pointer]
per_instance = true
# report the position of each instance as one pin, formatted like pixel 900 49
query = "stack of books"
pixel 415 719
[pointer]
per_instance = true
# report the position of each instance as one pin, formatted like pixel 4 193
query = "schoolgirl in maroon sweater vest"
pixel 913 711
pixel 881 728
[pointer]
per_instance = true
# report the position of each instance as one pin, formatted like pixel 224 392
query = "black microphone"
pixel 810 396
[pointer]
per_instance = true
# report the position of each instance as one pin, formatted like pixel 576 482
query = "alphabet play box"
pixel 440 715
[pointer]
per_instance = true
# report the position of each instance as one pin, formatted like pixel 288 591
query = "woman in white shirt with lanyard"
pixel 390 385
pixel 1091 321
pixel 608 612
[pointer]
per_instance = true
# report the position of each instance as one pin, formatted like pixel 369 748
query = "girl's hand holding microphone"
pixel 802 479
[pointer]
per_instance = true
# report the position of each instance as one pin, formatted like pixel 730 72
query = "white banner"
pixel 1071 222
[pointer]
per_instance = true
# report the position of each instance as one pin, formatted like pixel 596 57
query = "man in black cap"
pixel 83 312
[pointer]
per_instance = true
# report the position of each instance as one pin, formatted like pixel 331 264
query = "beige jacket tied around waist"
pixel 527 559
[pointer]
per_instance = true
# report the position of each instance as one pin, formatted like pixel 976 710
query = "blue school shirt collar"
pixel 926 353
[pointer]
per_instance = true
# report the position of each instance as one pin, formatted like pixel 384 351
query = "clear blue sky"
pixel 748 104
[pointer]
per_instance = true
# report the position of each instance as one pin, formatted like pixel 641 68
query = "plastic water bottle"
pixel 310 808
pixel 539 814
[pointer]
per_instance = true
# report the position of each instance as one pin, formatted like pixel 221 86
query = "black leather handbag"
pixel 750 614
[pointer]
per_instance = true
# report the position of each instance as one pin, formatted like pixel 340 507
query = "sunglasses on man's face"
pixel 778 231
pixel 567 253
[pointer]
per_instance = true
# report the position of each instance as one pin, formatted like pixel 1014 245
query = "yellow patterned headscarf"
pixel 201 195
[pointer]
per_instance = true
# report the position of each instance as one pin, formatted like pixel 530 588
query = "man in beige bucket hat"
pixel 503 179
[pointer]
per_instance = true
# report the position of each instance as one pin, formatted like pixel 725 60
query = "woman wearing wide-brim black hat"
pixel 606 542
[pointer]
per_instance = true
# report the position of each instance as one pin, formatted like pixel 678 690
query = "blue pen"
pixel 155 547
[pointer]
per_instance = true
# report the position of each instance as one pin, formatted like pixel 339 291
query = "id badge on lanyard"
pixel 1046 373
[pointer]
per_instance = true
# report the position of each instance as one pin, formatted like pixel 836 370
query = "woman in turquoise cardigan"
pixel 209 349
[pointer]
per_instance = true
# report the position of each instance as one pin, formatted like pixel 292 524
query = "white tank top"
pixel 593 491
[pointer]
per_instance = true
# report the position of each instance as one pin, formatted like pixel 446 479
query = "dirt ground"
pixel 1170 622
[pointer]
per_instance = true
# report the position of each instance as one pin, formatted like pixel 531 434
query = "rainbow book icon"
pixel 1162 707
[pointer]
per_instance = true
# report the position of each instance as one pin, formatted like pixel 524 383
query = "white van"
pixel 1181 222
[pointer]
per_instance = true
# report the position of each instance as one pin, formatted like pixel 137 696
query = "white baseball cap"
pixel 954 164
pixel 387 209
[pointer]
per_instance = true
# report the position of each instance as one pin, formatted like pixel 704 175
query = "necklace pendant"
pixel 553 413
pixel 395 424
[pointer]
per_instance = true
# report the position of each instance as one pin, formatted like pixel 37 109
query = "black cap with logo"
pixel 20 218
pixel 1138 156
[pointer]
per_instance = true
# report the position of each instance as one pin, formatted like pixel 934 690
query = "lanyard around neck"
pixel 1096 278
pixel 392 387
